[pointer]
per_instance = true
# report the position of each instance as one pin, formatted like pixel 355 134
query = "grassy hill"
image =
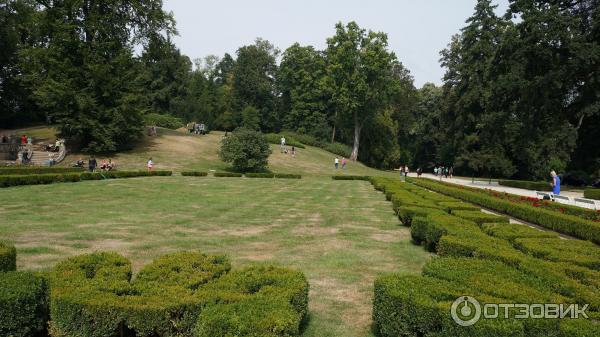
pixel 179 151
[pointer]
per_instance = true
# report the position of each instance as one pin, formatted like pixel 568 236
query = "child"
pixel 336 162
pixel 343 163
pixel 293 152
pixel 150 165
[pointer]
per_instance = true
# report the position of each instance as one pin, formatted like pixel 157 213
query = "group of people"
pixel 443 171
pixel 54 147
pixel 197 128
pixel 283 148
pixel 336 163
pixel 106 165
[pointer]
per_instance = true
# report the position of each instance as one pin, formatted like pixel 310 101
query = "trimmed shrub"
pixel 450 206
pixel 246 150
pixel 38 179
pixel 94 295
pixel 526 185
pixel 8 257
pixel 339 177
pixel 38 170
pixel 227 174
pixel 257 301
pixel 194 174
pixel 592 193
pixel 259 175
pixel 511 232
pixel 581 253
pixel 163 121
pixel 23 304
pixel 406 214
pixel 287 176
pixel 567 224
pixel 480 218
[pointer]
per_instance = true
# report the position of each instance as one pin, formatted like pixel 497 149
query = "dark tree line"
pixel 520 93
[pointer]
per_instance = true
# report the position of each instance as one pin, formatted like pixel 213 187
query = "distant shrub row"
pixel 527 185
pixel 247 175
pixel 592 193
pixel 194 174
pixel 350 178
pixel 483 256
pixel 563 223
pixel 181 294
pixel 163 121
pixel 299 140
pixel 23 170
pixel 38 179
pixel 275 138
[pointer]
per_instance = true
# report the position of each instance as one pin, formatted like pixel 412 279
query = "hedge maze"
pixel 483 256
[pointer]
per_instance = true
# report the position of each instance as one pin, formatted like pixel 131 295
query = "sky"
pixel 417 29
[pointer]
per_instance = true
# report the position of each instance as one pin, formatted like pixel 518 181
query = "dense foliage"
pixel 247 150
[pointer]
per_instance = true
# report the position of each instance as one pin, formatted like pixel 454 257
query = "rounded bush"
pixel 8 257
pixel 23 304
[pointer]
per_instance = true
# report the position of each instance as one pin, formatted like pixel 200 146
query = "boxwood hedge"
pixel 23 304
pixel 94 295
pixel 194 173
pixel 480 218
pixel 592 193
pixel 567 224
pixel 227 174
pixel 340 177
pixel 288 176
pixel 8 257
pixel 37 179
pixel 24 170
pixel 527 185
pixel 259 175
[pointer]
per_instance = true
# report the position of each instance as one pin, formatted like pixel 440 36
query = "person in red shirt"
pixel 23 139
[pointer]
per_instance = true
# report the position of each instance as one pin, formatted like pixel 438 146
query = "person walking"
pixel 293 152
pixel 344 162
pixel 555 183
pixel 406 170
pixel 336 163
pixel 92 163
pixel 282 144
pixel 150 165
pixel 451 171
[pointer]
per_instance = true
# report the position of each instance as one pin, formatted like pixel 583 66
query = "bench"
pixel 563 199
pixel 589 203
pixel 542 195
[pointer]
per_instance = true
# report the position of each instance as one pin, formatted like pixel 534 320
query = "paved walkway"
pixel 494 186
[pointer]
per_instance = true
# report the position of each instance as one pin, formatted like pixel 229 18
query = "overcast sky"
pixel 417 29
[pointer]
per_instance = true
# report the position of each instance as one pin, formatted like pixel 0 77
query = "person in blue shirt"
pixel 555 183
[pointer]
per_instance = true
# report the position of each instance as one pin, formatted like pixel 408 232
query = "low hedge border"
pixel 181 294
pixel 227 175
pixel 260 175
pixel 194 174
pixel 8 257
pixel 40 179
pixel 340 177
pixel 511 232
pixel 592 193
pixel 23 298
pixel 583 253
pixel 480 218
pixel 566 224
pixel 287 176
pixel 38 170
pixel 527 185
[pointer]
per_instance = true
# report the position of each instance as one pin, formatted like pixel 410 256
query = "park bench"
pixel 562 199
pixel 588 203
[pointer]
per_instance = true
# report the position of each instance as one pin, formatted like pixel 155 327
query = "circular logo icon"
pixel 465 311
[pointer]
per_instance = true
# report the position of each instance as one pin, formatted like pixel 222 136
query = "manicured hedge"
pixel 8 257
pixel 287 176
pixel 227 174
pixel 339 177
pixel 23 304
pixel 494 262
pixel 182 294
pixel 527 185
pixel 275 138
pixel 39 179
pixel 592 193
pixel 24 170
pixel 451 206
pixel 194 174
pixel 480 218
pixel 567 224
pixel 259 175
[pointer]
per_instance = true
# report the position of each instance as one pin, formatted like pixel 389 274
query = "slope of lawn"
pixel 178 151
pixel 341 234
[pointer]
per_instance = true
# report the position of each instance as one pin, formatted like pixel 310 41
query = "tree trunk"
pixel 333 135
pixel 357 128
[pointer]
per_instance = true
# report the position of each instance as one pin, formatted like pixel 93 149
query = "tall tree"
pixel 360 70
pixel 254 76
pixel 84 74
pixel 305 99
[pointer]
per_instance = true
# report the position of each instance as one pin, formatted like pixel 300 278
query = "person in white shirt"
pixel 336 162
pixel 150 165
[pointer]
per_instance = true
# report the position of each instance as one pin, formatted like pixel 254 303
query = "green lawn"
pixel 341 234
